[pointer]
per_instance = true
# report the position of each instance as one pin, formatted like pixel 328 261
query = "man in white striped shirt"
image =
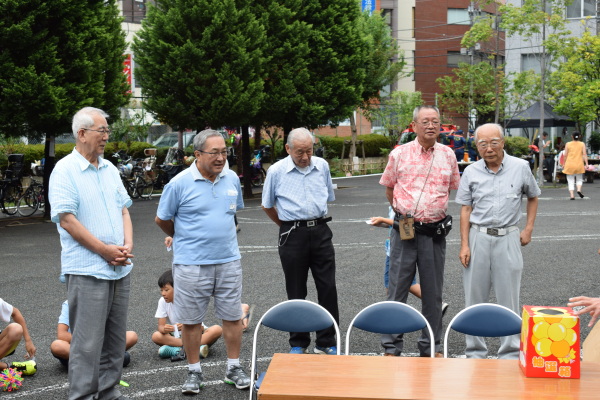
pixel 89 206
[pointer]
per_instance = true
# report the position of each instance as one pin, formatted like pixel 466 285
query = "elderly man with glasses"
pixel 418 180
pixel 490 193
pixel 89 206
pixel 197 209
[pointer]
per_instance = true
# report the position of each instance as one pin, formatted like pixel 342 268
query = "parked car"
pixel 169 139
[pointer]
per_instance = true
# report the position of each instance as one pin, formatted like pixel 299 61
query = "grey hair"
pixel 201 138
pixel 498 127
pixel 83 118
pixel 418 109
pixel 299 133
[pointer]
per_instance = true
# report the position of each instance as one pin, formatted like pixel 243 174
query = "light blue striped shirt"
pixel 298 195
pixel 96 197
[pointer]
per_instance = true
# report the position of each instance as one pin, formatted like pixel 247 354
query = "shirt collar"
pixel 84 163
pixel 290 165
pixel 198 176
pixel 501 165
pixel 421 149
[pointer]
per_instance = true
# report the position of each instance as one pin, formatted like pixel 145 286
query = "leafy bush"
pixel 594 142
pixel 372 143
pixel 516 146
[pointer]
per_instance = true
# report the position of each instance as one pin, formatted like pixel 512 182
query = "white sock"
pixel 232 362
pixel 195 367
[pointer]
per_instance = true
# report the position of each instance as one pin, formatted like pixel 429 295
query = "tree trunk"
pixel 352 152
pixel 246 162
pixel 49 157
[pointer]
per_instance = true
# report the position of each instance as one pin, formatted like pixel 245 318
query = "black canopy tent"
pixel 530 118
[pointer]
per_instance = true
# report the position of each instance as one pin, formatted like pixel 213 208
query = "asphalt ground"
pixel 561 261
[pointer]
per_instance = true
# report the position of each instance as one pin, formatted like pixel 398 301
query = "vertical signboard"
pixel 368 6
pixel 128 72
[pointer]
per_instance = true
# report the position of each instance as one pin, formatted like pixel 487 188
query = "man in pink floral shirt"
pixel 418 180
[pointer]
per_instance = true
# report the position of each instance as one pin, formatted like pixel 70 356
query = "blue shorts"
pixel 196 284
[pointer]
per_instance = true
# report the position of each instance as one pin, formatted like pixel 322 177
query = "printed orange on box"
pixel 550 342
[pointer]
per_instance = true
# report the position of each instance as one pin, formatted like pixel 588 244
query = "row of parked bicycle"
pixel 13 199
pixel 141 177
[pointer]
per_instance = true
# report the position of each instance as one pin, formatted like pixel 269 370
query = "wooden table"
pixel 308 376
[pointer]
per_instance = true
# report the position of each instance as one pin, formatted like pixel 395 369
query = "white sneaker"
pixel 204 351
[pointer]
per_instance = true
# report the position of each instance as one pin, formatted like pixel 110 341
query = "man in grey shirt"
pixel 490 193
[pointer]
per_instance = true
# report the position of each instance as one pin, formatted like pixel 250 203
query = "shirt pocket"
pixel 231 203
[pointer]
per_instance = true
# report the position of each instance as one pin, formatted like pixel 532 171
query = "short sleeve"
pixel 64 314
pixel 464 195
pixel 62 194
pixel 6 311
pixel 161 309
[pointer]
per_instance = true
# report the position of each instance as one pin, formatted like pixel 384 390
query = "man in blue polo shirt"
pixel 197 209
pixel 295 197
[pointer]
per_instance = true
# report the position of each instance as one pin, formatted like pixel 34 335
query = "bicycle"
pixel 10 191
pixel 31 200
pixel 10 186
pixel 132 177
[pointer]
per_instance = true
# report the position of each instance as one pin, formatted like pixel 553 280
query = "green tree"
pixel 522 89
pixel 58 56
pixel 395 113
pixel 575 85
pixel 317 71
pixel 471 86
pixel 384 64
pixel 201 63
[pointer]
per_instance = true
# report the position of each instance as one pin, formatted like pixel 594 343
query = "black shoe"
pixel 580 195
pixel 126 359
pixel 444 309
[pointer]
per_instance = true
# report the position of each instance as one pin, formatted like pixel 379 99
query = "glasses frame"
pixel 427 123
pixel 103 132
pixel 215 154
pixel 494 144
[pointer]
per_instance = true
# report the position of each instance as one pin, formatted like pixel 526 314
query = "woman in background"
pixel 575 163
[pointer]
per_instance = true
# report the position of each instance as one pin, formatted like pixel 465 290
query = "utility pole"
pixel 471 125
pixel 542 95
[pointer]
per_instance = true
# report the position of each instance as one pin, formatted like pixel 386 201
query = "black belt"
pixel 308 223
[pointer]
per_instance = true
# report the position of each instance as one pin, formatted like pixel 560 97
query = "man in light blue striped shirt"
pixel 89 206
pixel 295 196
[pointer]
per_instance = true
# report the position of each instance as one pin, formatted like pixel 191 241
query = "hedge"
pixel 35 152
pixel 516 145
pixel 373 143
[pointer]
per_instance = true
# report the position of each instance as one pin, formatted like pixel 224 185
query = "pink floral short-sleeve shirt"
pixel 425 197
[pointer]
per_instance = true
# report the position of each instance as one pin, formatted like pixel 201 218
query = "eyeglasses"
pixel 215 154
pixel 427 123
pixel 101 131
pixel 494 144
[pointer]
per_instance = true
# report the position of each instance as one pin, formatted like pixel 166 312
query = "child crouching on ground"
pixel 168 334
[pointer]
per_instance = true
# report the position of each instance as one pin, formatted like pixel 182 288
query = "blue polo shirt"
pixel 203 213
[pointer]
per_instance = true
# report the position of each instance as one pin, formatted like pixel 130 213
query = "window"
pixel 386 13
pixel 134 10
pixel 531 62
pixel 455 57
pixel 581 8
pixel 458 16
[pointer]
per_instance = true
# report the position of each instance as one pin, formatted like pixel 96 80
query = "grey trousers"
pixel 496 261
pixel 98 321
pixel 428 255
